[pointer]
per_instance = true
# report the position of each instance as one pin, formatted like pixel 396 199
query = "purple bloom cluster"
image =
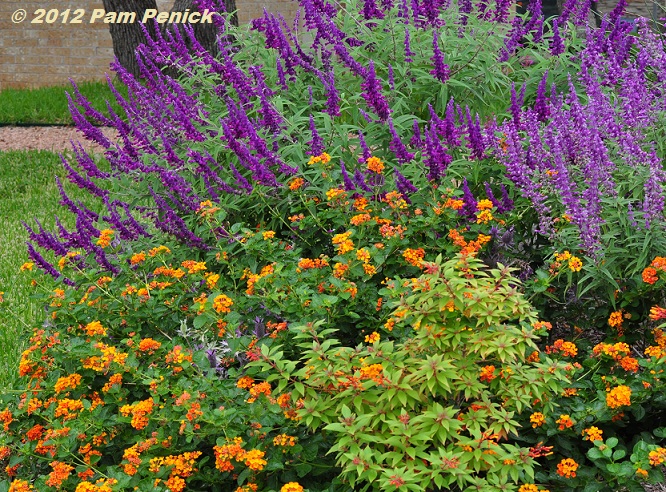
pixel 372 93
pixel 561 152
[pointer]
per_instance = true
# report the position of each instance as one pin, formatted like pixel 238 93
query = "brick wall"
pixel 37 55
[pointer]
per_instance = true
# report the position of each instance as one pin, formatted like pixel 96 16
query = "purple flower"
pixel 403 184
pixel 371 11
pixel 416 140
pixel 359 180
pixel 541 107
pixel 408 49
pixel 512 40
pixel 517 103
pixel 441 71
pixel 401 153
pixel 364 148
pixel 474 136
pixel 556 46
pixel 435 156
pixel 469 202
pixel 316 143
pixel 403 11
pixel 45 265
pixel 349 184
pixel 372 93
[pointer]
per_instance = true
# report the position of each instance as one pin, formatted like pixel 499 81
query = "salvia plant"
pixel 431 216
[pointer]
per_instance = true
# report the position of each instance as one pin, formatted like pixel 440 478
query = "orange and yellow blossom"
pixel 169 272
pixel 484 204
pixel 335 193
pixel 567 349
pixel 20 486
pixel 159 250
pixel 564 422
pixel 372 338
pixel 284 440
pixel 67 382
pixel 292 487
pixel 227 452
pixel 139 411
pixel 614 350
pixel 324 158
pixel 222 303
pixel 414 256
pixel 193 266
pixel 211 280
pixel 137 258
pixel 359 219
pixel 575 264
pixel 149 345
pixel 254 460
pixel 618 396
pixel 5 451
pixel 102 485
pixel 487 373
pixel 629 364
pixel 592 434
pixel 484 216
pixel 650 275
pixel 59 474
pixel 530 487
pixel 339 269
pixel 615 319
pixel 657 456
pixel 537 419
pixel 68 408
pixel 343 243
pixel 95 328
pixel 567 468
pixel 263 388
pixel 245 382
pixel 105 237
pixel 375 165
pixel 657 313
pixel 296 183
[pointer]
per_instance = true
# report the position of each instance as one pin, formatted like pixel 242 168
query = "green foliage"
pixel 117 387
pixel 436 410
pixel 28 192
pixel 315 322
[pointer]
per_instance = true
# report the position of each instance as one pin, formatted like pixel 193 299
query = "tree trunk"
pixel 206 34
pixel 128 36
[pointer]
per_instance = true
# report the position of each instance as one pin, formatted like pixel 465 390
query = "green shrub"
pixel 437 410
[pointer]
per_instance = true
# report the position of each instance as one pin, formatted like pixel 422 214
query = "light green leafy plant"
pixel 437 410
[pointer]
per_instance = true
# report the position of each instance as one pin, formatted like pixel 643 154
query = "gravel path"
pixel 53 138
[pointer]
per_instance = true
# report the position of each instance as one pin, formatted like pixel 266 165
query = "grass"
pixel 48 105
pixel 27 190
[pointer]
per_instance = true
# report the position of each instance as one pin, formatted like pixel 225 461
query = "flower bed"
pixel 421 253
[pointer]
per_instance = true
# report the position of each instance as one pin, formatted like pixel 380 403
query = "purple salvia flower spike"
pixel 441 71
pixel 372 93
pixel 397 147
pixel 316 143
pixel 349 184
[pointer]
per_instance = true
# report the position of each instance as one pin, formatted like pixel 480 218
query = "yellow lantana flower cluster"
pixel 618 396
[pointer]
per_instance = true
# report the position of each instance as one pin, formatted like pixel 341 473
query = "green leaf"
pixel 619 454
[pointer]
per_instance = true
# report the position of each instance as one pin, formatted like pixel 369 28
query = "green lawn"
pixel 27 190
pixel 48 105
